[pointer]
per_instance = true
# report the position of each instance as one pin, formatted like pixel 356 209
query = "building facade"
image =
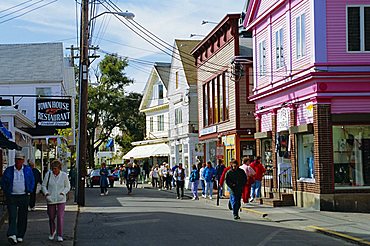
pixel 183 107
pixel 312 95
pixel 224 72
pixel 29 72
pixel 155 105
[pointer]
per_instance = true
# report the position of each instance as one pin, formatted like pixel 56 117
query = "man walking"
pixel 260 171
pixel 37 178
pixel 209 175
pixel 219 170
pixel 235 180
pixel 17 183
pixel 180 181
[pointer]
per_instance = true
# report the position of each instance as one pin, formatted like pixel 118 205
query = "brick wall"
pixel 258 141
pixel 323 149
pixel 293 145
pixel 273 147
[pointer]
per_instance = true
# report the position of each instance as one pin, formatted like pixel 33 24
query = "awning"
pixel 146 151
pixel 5 143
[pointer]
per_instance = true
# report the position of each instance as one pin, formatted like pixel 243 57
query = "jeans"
pixel 235 203
pixel 18 211
pixel 58 211
pixel 256 189
pixel 129 185
pixel 209 188
pixel 220 189
pixel 203 184
pixel 180 185
pixel 32 199
pixel 194 188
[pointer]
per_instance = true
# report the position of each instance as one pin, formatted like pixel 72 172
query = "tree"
pixel 108 105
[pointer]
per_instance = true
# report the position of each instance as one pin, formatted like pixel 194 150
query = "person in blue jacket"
pixel 104 179
pixel 17 183
pixel 209 176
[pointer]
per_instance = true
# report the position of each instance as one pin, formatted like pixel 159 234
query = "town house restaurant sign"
pixel 53 113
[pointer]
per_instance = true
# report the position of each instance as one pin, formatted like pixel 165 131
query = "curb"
pixel 339 235
pixel 249 210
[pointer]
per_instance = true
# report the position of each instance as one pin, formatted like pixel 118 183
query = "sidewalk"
pixel 38 225
pixel 352 227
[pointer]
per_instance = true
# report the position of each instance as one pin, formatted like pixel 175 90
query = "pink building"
pixel 312 94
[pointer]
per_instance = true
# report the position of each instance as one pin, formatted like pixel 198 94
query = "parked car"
pixel 93 178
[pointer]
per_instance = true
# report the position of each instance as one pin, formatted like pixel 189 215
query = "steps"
pixel 286 200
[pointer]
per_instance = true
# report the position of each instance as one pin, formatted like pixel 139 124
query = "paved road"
pixel 152 217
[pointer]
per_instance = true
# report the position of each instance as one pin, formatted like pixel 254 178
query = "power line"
pixel 39 7
pixel 15 6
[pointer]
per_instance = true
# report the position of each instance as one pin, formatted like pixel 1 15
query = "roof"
pixel 41 62
pixel 188 61
pixel 163 70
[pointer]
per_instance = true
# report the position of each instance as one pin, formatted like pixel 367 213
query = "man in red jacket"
pixel 260 171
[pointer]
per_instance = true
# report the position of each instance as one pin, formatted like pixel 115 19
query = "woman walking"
pixel 55 187
pixel 194 179
pixel 104 179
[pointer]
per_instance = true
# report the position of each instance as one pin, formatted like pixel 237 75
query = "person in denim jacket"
pixel 17 183
pixel 209 176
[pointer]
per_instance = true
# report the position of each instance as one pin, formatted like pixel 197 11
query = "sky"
pixel 40 21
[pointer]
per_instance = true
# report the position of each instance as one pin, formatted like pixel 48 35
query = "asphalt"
pixel 352 227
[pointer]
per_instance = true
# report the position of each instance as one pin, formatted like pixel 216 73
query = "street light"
pixel 210 22
pixel 83 95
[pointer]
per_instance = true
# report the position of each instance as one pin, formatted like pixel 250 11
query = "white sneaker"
pixel 251 200
pixel 60 239
pixel 106 193
pixel 204 196
pixel 12 239
pixel 20 240
pixel 51 237
pixel 210 197
pixel 102 194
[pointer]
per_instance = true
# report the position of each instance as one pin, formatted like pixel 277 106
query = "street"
pixel 153 217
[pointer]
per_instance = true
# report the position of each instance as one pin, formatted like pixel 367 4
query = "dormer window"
pixel 160 91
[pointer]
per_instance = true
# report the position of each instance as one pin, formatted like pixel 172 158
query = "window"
pixel 160 122
pixel 306 167
pixel 226 103
pixel 160 91
pixel 358 28
pixel 210 103
pixel 178 116
pixel 279 48
pixel 220 97
pixel 300 30
pixel 262 58
pixel 43 91
pixel 151 123
pixel 351 155
pixel 177 79
pixel 205 104
pixel 215 101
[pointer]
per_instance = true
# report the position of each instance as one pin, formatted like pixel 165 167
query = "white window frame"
pixel 160 122
pixel 279 41
pixel 362 28
pixel 300 35
pixel 262 57
pixel 151 124
pixel 178 116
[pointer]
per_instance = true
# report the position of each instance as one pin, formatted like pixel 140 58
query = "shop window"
pixel 267 155
pixel 305 146
pixel 351 150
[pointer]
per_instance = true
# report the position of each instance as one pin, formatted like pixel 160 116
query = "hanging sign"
pixel 53 113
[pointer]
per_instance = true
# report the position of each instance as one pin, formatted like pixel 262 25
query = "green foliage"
pixel 110 107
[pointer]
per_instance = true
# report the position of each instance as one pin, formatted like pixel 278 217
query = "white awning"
pixel 146 151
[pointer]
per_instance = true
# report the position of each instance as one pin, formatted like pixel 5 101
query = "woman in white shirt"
pixel 55 187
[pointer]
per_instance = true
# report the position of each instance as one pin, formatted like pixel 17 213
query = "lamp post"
pixel 83 96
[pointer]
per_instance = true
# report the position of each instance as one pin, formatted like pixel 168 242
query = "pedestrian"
pixel 260 171
pixel 201 179
pixel 180 181
pixel 56 187
pixel 173 178
pixel 155 176
pixel 161 178
pixel 130 177
pixel 37 178
pixel 235 180
pixel 209 177
pixel 73 177
pixel 122 175
pixel 17 183
pixel 249 171
pixel 194 179
pixel 167 175
pixel 137 172
pixel 146 171
pixel 219 170
pixel 104 179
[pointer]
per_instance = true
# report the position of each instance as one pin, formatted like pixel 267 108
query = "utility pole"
pixel 82 120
